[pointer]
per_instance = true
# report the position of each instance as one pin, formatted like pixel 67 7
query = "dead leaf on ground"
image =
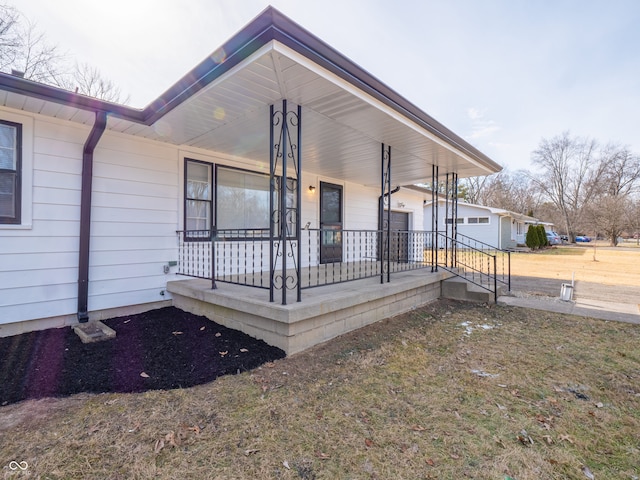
pixel 251 451
pixel 218 334
pixel 244 350
pixel 418 428
pixel 430 462
pixel 158 446
pixel 202 328
pixel 144 375
pixel 368 442
pixel 548 439
pixel 222 354
pixel 177 333
pixel 286 465
pixel 499 442
pixel 565 438
pixel 172 438
pixel 323 456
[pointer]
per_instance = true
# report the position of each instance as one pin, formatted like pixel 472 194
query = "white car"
pixel 554 238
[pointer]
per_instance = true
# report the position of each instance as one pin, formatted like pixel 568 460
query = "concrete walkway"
pixel 620 312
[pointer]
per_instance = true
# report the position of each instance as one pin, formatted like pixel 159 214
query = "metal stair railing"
pixel 477 262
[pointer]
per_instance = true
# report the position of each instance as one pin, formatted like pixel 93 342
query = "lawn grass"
pixel 609 266
pixel 447 391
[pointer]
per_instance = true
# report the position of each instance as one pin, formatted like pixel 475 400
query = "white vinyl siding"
pixel 134 219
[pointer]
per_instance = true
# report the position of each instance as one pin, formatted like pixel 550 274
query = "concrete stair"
pixel 457 288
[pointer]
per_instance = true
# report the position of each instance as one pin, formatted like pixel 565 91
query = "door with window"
pixel 330 223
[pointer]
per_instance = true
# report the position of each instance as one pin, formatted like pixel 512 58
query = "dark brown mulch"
pixel 169 347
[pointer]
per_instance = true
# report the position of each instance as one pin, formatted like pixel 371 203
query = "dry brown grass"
pixel 611 266
pixel 397 400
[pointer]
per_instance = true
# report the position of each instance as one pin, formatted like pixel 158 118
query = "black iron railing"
pixel 475 261
pixel 242 256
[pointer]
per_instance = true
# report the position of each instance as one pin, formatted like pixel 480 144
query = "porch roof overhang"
pixel 222 105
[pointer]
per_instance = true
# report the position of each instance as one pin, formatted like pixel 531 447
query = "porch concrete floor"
pixel 324 312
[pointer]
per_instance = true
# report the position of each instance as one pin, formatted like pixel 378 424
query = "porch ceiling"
pixel 342 128
pixel 222 106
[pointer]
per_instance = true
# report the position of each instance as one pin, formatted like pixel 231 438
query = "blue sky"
pixel 503 74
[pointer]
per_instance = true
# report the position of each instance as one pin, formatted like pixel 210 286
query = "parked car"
pixel 554 238
pixel 582 238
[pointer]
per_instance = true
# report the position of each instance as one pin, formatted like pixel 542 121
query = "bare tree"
pixel 9 35
pixel 570 169
pixel 619 180
pixel 87 80
pixel 513 192
pixel 26 49
pixel 39 60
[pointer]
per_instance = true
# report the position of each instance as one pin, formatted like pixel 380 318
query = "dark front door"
pixel 399 251
pixel 330 223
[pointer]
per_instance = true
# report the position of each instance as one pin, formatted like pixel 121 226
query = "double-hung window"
pixel 198 208
pixel 10 172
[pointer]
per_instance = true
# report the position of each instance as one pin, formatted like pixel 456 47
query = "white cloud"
pixel 480 126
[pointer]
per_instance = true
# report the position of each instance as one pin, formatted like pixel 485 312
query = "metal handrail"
pixel 477 265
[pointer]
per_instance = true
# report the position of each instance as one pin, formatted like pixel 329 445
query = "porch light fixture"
pixel 312 188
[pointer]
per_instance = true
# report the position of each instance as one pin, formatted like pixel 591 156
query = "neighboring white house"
pixel 494 226
pixel 92 194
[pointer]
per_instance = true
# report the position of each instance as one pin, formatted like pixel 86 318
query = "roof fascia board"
pixel 49 93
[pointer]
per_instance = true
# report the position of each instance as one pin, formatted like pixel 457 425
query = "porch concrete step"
pixel 457 288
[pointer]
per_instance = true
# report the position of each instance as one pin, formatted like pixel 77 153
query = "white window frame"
pixel 477 220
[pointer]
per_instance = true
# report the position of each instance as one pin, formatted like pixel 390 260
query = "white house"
pixel 496 227
pixel 102 205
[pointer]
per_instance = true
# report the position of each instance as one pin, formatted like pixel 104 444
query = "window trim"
pixel 211 202
pixel 17 194
pixel 214 201
pixel 478 222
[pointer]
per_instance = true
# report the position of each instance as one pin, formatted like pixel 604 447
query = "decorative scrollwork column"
pixel 385 235
pixel 285 201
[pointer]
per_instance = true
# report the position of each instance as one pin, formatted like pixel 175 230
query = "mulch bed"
pixel 157 350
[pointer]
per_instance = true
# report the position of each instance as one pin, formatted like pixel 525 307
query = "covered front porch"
pixel 280 116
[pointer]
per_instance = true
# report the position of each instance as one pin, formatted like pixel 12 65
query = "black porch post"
pixel 385 177
pixel 282 214
pixel 454 210
pixel 298 205
pixel 284 200
pixel 272 162
pixel 446 220
pixel 434 217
